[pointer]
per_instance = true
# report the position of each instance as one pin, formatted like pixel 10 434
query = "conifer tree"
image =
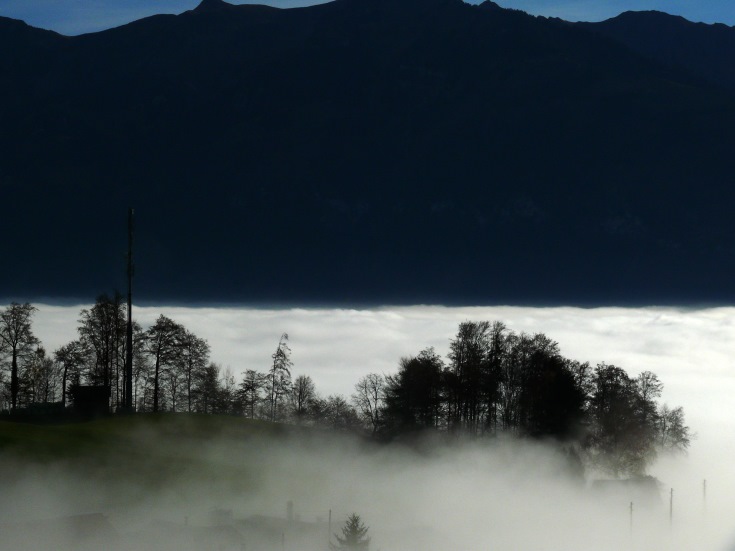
pixel 353 535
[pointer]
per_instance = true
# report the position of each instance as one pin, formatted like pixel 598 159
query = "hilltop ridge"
pixel 704 50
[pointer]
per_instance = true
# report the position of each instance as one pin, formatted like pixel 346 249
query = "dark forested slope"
pixel 363 151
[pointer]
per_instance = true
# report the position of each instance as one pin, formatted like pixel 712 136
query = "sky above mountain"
pixel 81 16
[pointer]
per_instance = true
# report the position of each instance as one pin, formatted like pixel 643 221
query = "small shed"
pixel 91 400
pixel 643 490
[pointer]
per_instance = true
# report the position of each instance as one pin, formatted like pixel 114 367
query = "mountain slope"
pixel 704 50
pixel 366 151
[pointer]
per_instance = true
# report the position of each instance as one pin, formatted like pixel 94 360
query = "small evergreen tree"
pixel 353 535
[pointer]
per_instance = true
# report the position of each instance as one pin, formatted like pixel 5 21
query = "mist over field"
pixel 498 495
pixel 183 484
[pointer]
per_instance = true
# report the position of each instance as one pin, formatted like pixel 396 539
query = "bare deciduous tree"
pixel 368 399
pixel 163 343
pixel 673 433
pixel 40 378
pixel 249 392
pixel 72 357
pixel 194 359
pixel 17 340
pixel 102 329
pixel 279 377
pixel 302 394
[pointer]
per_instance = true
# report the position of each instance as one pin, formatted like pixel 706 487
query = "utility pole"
pixel 129 335
pixel 631 521
pixel 329 532
pixel 671 508
pixel 704 495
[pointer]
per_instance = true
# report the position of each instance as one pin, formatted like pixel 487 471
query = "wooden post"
pixel 671 508
pixel 704 495
pixel 631 520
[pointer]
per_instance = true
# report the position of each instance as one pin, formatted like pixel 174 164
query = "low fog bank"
pixel 503 497
pixel 168 485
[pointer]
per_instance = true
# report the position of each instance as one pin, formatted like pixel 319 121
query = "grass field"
pixel 133 456
pixel 121 434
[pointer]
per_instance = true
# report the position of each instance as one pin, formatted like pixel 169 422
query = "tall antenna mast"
pixel 129 336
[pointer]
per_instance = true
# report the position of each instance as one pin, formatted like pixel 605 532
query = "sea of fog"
pixel 506 498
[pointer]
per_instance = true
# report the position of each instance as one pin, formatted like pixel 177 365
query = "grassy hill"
pixel 125 435
pixel 124 459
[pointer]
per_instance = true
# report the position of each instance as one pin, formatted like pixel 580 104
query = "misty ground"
pixel 201 482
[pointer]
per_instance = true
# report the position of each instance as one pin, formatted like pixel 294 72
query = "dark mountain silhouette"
pixel 704 50
pixel 362 151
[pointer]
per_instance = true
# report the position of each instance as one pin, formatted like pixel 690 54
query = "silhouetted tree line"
pixel 493 381
pixel 496 381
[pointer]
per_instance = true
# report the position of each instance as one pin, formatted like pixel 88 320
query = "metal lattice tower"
pixel 129 336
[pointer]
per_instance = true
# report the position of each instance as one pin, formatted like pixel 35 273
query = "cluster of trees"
pixel 493 381
pixel 172 371
pixel 170 363
pixel 498 381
